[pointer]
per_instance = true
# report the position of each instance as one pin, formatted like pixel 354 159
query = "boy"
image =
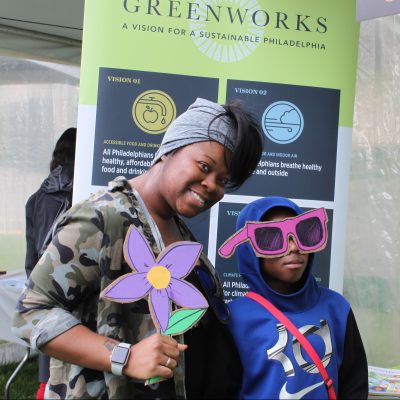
pixel 276 262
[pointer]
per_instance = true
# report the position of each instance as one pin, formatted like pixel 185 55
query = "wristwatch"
pixel 119 357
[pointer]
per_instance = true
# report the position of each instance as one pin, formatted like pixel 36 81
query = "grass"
pixel 25 385
pixel 12 252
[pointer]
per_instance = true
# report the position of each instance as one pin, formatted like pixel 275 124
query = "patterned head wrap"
pixel 193 126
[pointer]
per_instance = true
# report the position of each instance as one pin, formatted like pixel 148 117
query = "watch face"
pixel 119 355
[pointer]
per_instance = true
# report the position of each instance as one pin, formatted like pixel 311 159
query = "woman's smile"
pixel 199 198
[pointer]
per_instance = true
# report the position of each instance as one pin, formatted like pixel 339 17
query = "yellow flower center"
pixel 159 277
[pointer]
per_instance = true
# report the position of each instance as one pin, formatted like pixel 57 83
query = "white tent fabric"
pixel 29 45
pixel 38 101
pixel 62 18
pixel 372 273
pixel 50 30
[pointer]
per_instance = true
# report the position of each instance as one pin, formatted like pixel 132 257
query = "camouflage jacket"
pixel 85 256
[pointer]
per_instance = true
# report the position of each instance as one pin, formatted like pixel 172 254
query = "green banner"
pixel 291 62
pixel 302 42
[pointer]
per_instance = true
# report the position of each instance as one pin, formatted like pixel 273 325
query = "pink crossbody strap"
pixel 300 337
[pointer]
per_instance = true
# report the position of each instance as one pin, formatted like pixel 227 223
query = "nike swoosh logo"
pixel 284 394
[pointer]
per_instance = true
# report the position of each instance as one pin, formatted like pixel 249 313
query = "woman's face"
pixel 193 178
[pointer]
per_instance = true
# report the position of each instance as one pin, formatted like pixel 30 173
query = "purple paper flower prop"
pixel 161 279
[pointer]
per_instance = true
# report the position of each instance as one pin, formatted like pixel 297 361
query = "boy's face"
pixel 284 274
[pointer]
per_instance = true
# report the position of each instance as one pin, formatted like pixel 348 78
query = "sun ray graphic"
pixel 245 22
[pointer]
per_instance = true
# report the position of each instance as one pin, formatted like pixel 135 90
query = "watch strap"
pixel 117 367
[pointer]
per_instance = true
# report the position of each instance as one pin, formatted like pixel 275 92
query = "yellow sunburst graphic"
pixel 222 46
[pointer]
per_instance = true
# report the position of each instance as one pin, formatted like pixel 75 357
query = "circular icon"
pixel 282 122
pixel 153 111
pixel 245 30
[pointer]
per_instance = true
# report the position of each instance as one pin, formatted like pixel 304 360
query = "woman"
pixel 53 197
pixel 204 150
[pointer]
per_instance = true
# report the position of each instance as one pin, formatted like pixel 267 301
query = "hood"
pixel 59 180
pixel 249 266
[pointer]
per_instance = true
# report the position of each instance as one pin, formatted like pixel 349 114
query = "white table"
pixel 11 285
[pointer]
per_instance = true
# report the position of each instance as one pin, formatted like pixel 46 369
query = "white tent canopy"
pixel 40 50
pixel 50 30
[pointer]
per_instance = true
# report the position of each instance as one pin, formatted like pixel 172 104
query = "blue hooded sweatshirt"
pixel 274 365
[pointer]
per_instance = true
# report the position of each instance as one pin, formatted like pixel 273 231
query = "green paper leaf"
pixel 183 319
pixel 153 380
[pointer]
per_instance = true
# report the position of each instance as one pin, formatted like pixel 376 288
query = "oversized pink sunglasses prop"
pixel 271 239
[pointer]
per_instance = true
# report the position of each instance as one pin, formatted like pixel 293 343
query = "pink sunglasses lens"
pixel 269 238
pixel 310 232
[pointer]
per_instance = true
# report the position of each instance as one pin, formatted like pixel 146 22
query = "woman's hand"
pixel 156 355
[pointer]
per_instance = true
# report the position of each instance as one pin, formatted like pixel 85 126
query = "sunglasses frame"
pixel 288 229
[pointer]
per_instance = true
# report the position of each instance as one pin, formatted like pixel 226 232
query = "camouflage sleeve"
pixel 59 293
